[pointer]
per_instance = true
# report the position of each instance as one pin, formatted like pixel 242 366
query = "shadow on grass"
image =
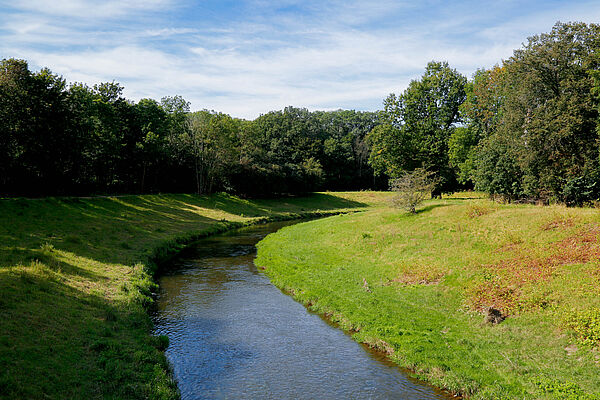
pixel 59 342
pixel 26 257
pixel 120 229
pixel 429 208
pixel 268 207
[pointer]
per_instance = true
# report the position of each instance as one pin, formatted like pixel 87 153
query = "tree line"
pixel 72 139
pixel 526 128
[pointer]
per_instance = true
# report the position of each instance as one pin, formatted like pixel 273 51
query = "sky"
pixel 246 58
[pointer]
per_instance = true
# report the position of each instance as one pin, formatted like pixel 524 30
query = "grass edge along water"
pixel 76 277
pixel 417 287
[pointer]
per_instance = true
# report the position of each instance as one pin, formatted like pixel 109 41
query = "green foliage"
pixel 295 151
pixel 483 107
pixel 579 190
pixel 59 139
pixel 392 151
pixel 496 169
pixel 541 101
pixel 419 124
pixel 586 325
pixel 564 390
pixel 462 153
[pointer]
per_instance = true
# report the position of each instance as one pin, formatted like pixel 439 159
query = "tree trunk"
pixel 143 178
pixel 197 177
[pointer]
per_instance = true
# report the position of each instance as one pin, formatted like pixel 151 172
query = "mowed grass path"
pixel 417 287
pixel 74 286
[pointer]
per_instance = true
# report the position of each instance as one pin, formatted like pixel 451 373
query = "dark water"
pixel 233 335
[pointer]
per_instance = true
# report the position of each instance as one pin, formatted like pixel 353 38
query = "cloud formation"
pixel 249 57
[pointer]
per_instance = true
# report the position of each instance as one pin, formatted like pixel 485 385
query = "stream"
pixel 233 335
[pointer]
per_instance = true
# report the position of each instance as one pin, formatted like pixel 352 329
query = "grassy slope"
pixel 73 287
pixel 416 285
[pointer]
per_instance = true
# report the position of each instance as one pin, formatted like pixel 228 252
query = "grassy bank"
pixel 418 287
pixel 75 284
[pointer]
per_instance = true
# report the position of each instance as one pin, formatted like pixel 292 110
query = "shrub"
pixel 412 188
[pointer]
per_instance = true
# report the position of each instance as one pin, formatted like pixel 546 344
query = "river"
pixel 233 335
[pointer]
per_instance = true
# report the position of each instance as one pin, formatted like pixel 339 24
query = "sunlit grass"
pixel 430 277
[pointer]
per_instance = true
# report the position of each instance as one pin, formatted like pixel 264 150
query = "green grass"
pixel 75 284
pixel 417 286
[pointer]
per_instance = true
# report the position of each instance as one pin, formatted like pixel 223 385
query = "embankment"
pixel 418 287
pixel 76 281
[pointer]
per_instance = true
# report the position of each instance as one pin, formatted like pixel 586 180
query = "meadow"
pixel 76 284
pixel 419 287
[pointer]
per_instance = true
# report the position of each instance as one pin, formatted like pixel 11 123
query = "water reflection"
pixel 234 335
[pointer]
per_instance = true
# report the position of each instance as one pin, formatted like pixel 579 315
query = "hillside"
pixel 75 278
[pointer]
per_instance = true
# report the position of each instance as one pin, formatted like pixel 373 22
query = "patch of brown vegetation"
pixel 503 283
pixel 382 346
pixel 558 223
pixel 427 276
pixel 477 210
pixel 494 316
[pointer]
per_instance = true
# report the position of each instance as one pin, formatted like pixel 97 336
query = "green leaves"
pixel 418 125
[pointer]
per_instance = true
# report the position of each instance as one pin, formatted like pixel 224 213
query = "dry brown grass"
pixel 504 283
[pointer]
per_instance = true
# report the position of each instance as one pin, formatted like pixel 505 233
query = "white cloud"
pixel 88 9
pixel 326 58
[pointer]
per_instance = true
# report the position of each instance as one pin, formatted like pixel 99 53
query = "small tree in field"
pixel 412 188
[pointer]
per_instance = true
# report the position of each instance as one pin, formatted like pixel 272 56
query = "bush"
pixel 579 190
pixel 412 188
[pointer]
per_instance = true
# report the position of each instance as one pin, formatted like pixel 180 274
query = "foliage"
pixel 74 139
pixel 496 169
pixel 547 113
pixel 579 190
pixel 462 153
pixel 412 188
pixel 419 124
pixel 565 390
pixel 483 106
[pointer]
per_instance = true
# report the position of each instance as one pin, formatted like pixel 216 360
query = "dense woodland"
pixel 74 139
pixel 527 128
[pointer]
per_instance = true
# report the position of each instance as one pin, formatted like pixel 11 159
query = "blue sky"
pixel 246 58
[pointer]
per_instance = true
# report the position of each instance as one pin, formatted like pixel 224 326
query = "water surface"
pixel 233 335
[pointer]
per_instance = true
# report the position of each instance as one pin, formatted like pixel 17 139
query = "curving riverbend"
pixel 235 335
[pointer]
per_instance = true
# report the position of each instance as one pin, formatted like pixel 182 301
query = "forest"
pixel 525 129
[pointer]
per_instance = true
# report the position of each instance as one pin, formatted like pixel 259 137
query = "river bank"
pixel 418 288
pixel 76 280
pixel 225 322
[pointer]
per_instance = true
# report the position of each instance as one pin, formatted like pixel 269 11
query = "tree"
pixel 462 153
pixel 485 93
pixel 549 114
pixel 412 188
pixel 418 125
pixel 211 143
pixel 151 146
pixel 497 171
pixel 33 119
